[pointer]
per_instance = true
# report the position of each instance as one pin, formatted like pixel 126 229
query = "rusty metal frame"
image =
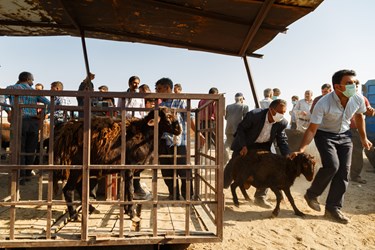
pixel 216 202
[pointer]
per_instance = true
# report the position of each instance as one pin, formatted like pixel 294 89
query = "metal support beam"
pixel 255 27
pixel 252 86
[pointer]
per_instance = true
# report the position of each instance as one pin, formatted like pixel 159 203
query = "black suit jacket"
pixel 251 126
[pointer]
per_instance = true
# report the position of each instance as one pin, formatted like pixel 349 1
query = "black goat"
pixel 267 170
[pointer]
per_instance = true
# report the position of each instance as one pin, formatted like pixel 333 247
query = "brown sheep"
pixel 267 170
pixel 106 148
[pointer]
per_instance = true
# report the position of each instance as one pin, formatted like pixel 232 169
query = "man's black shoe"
pixel 337 216
pixel 313 203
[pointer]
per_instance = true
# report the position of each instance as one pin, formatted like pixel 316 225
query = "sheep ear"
pixel 151 122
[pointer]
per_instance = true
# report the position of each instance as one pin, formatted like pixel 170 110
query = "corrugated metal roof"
pixel 233 27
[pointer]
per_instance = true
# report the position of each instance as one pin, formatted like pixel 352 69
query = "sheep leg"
pixel 233 187
pixel 279 197
pixel 244 193
pixel 68 191
pixel 291 200
pixel 129 192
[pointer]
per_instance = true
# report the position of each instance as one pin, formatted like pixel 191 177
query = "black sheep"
pixel 266 170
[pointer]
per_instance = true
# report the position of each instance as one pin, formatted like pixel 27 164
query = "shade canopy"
pixel 231 27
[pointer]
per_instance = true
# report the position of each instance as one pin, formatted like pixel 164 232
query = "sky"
pixel 339 34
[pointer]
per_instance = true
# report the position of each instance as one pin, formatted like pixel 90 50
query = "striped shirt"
pixel 27 112
pixel 182 118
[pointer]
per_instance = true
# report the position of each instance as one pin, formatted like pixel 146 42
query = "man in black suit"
pixel 257 131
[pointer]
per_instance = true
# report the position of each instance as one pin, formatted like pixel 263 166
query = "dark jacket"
pixel 251 126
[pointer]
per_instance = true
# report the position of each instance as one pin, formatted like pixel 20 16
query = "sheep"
pixel 106 149
pixel 263 169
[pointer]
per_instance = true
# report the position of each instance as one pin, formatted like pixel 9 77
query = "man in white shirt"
pixel 133 82
pixel 330 128
pixel 302 111
pixel 265 103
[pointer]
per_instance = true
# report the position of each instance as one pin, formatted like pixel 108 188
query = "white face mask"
pixel 277 117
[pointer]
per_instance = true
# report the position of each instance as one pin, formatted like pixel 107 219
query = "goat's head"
pixel 168 121
pixel 307 164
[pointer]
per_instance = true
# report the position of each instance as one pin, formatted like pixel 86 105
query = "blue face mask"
pixel 274 97
pixel 294 102
pixel 350 90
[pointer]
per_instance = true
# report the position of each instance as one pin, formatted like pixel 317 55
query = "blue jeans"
pixel 335 152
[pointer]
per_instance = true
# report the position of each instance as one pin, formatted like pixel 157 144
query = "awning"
pixel 231 27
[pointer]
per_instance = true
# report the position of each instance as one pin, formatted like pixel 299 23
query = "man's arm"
pixel 282 140
pixel 360 123
pixel 307 138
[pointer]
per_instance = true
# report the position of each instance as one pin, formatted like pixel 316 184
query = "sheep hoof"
pixel 75 218
pixel 237 204
pixel 275 213
pixel 299 213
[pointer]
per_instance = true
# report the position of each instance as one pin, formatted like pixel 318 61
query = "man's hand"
pixel 367 144
pixel 370 111
pixel 243 151
pixel 293 155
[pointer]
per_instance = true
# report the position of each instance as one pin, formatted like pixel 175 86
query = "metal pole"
pixel 85 56
pixel 252 86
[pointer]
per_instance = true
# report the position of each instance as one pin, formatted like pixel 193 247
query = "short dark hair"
pixel 337 77
pixel 165 82
pixel 277 102
pixel 25 76
pixel 213 90
pixel 144 87
pixel 132 78
pixel 326 86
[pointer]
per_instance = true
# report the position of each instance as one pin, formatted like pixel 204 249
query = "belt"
pixel 303 120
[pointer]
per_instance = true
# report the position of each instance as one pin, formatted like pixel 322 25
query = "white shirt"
pixel 265 134
pixel 133 103
pixel 303 105
pixel 332 116
pixel 265 103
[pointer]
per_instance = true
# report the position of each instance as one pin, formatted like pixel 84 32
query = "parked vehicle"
pixel 369 92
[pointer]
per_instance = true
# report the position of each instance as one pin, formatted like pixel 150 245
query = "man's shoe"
pixel 337 216
pixel 262 203
pixel 313 203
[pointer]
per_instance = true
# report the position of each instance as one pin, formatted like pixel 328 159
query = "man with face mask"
pixel 257 131
pixel 330 128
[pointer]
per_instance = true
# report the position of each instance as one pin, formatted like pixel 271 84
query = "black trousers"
pixel 336 153
pixel 29 141
pixel 182 173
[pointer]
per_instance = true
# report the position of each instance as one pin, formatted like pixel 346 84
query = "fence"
pixel 32 216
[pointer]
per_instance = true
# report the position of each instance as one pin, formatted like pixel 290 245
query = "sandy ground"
pixel 252 227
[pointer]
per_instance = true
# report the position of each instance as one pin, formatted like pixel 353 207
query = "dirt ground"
pixel 252 227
